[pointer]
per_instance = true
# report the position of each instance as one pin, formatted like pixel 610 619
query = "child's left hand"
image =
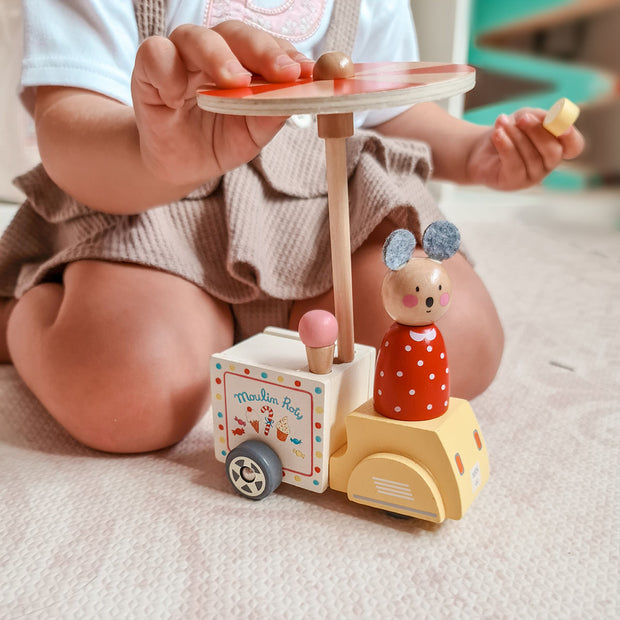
pixel 518 152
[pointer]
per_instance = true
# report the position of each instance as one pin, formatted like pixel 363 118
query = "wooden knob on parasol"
pixel 333 65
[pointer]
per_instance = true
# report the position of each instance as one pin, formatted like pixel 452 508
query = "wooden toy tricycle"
pixel 383 431
pixel 275 421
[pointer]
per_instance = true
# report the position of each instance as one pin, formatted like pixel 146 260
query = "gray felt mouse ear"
pixel 398 248
pixel 441 240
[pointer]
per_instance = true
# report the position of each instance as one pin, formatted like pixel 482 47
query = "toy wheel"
pixel 254 469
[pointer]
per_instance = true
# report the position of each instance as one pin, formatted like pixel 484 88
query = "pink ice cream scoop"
pixel 318 330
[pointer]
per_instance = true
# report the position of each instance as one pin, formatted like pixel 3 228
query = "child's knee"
pixel 489 352
pixel 123 394
pixel 472 330
pixel 119 355
pixel 475 342
pixel 132 421
pixel 129 409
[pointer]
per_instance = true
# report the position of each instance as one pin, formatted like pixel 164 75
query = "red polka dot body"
pixel 412 374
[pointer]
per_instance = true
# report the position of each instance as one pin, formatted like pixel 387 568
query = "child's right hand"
pixel 179 142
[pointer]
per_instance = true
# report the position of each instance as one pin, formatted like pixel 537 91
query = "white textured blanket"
pixel 87 535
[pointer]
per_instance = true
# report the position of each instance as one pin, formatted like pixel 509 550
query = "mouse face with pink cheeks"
pixel 418 291
pixel 417 294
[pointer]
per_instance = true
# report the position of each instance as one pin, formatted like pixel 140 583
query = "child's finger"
pixel 274 59
pixel 572 142
pixel 159 74
pixel 550 148
pixel 512 164
pixel 306 64
pixel 535 112
pixel 530 156
pixel 207 56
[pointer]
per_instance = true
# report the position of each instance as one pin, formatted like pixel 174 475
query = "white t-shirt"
pixel 65 43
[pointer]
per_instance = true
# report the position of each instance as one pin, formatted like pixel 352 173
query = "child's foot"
pixel 6 307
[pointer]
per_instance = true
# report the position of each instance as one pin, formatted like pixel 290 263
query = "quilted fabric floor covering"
pixel 87 535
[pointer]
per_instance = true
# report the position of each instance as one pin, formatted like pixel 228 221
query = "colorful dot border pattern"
pixel 318 480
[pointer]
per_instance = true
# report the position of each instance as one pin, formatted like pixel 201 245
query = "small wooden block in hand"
pixel 561 117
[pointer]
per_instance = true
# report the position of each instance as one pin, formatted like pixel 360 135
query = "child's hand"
pixel 181 143
pixel 519 152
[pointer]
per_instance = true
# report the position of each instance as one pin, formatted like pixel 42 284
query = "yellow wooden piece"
pixel 561 117
pixel 435 446
pixel 397 484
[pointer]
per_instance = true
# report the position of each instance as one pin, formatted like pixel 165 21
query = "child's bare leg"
pixel 119 355
pixel 6 306
pixel 471 327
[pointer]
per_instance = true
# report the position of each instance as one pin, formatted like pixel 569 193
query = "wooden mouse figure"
pixel 412 373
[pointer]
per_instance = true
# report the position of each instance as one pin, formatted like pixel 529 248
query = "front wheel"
pixel 254 469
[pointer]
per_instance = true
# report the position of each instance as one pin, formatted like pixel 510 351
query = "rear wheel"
pixel 254 469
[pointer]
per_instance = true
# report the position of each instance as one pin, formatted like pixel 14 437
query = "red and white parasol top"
pixel 374 86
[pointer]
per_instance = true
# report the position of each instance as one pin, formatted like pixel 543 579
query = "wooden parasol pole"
pixel 335 129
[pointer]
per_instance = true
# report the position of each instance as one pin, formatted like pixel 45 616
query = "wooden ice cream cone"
pixel 318 329
pixel 320 359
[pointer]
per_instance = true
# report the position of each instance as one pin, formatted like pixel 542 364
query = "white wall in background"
pixel 18 150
